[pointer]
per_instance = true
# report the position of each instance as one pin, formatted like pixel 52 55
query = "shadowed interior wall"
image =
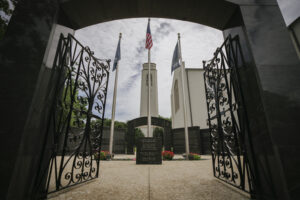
pixel 271 92
pixel 24 81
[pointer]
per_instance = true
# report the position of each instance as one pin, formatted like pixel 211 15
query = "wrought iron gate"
pixel 76 116
pixel 227 116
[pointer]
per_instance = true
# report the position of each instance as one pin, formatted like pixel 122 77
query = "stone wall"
pixel 76 134
pixel 198 140
pixel 119 140
pixel 205 141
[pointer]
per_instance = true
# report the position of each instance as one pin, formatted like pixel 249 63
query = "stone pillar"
pixel 24 79
pixel 270 84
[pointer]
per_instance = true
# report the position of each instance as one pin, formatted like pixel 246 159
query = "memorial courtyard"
pixel 176 180
pixel 231 97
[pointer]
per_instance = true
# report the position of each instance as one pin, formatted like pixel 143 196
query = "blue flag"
pixel 117 56
pixel 175 60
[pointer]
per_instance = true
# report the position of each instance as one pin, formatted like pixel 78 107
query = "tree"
pixel 165 118
pixel 7 11
pixel 78 115
pixel 107 123
pixel 158 132
pixel 119 124
pixel 138 134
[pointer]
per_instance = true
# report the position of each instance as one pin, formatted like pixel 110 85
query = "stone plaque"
pixel 149 151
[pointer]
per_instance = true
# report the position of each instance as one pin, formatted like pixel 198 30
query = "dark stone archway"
pixel 156 121
pixel 270 81
pixel 214 13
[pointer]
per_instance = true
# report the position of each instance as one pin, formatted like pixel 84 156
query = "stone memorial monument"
pixel 149 151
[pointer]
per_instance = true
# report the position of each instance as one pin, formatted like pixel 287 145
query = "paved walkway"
pixel 131 157
pixel 173 180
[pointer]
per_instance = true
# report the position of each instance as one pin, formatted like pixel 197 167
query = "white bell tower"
pixel 153 94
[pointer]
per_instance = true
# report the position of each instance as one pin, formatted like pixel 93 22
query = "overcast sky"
pixel 198 43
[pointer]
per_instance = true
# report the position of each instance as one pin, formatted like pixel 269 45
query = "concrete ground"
pixel 173 180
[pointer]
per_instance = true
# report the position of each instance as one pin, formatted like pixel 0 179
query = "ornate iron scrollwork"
pixel 77 114
pixel 226 116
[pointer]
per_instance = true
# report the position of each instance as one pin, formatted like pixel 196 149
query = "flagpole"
pixel 113 110
pixel 149 103
pixel 186 133
pixel 149 83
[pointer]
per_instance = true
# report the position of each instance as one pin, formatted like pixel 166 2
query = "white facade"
pixel 144 95
pixel 195 99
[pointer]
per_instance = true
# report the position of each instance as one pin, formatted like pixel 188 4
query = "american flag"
pixel 148 37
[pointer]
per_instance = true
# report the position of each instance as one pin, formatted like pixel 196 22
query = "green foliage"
pixel 138 134
pixel 166 118
pixel 158 132
pixel 107 123
pixel 104 155
pixel 118 124
pixel 77 117
pixel 194 156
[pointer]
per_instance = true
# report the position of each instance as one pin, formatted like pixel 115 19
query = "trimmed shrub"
pixel 194 156
pixel 104 155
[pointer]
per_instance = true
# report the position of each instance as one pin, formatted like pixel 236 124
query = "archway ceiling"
pixel 78 14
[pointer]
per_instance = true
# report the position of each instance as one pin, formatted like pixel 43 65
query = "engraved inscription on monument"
pixel 149 151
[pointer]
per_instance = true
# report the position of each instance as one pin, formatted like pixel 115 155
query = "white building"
pixel 144 95
pixel 195 99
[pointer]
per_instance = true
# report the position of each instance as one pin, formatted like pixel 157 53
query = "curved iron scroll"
pixel 226 116
pixel 76 115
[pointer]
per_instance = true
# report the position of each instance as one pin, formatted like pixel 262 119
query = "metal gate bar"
pixel 226 116
pixel 77 114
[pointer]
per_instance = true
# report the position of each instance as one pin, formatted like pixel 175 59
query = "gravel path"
pixel 173 180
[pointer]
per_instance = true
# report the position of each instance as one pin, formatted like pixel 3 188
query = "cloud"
pixel 198 43
pixel 163 30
